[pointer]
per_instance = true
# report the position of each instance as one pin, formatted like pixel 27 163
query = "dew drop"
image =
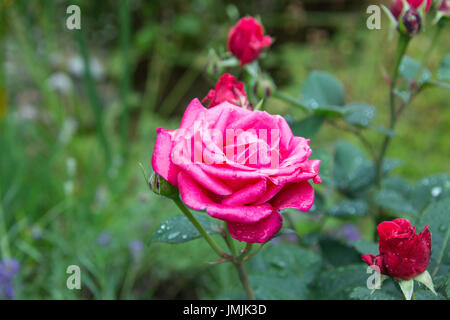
pixel 173 235
pixel 436 191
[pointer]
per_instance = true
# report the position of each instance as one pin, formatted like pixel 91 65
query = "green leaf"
pixel 348 208
pixel 383 130
pixel 365 247
pixel 407 287
pixel 429 190
pixel 352 170
pixel 409 68
pixel 392 200
pixel 325 164
pixel 359 114
pixel 179 229
pixel 438 217
pixel 273 287
pixel 337 253
pixel 443 72
pixel 283 272
pixel 321 89
pixel 427 295
pixel 308 126
pixel 361 293
pixel 338 283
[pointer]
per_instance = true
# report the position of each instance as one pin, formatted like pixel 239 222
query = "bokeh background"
pixel 79 109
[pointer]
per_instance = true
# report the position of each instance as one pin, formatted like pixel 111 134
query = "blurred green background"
pixel 82 108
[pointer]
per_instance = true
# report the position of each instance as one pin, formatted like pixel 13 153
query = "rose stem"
pixel 244 279
pixel 403 42
pixel 230 241
pixel 200 229
pixel 239 264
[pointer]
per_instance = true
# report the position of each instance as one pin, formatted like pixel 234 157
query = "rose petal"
pixel 295 195
pixel 259 232
pixel 161 160
pixel 240 214
pixel 192 194
pixel 192 113
pixel 247 194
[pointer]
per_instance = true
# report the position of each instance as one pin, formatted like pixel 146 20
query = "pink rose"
pixel 246 40
pixel 229 90
pixel 241 166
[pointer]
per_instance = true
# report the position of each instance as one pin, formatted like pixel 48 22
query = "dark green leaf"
pixel 325 164
pixel 437 215
pixel 392 200
pixel 338 253
pixel 429 190
pixel 352 170
pixel 179 229
pixel 308 126
pixel 273 287
pixel 365 247
pixel 283 272
pixel 362 293
pixel 359 114
pixel 348 208
pixel 338 283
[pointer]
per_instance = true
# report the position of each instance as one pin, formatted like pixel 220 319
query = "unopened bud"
pixel 264 87
pixel 214 67
pixel 162 187
pixel 411 22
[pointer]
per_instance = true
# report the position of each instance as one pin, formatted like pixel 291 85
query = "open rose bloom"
pixel 403 253
pixel 240 166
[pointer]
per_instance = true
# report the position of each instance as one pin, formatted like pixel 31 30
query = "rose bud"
pixel 445 7
pixel 240 166
pixel 411 22
pixel 161 187
pixel 229 90
pixel 214 67
pixel 264 87
pixel 403 253
pixel 397 6
pixel 246 40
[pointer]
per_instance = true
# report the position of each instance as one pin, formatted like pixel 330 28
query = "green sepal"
pixel 162 187
pixel 425 278
pixel 407 287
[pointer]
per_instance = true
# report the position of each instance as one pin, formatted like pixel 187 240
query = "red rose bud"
pixel 228 90
pixel 411 22
pixel 246 40
pixel 397 6
pixel 403 253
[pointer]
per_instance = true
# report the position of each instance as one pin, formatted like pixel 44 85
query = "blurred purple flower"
pixel 347 232
pixel 8 270
pixel 136 247
pixel 104 239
